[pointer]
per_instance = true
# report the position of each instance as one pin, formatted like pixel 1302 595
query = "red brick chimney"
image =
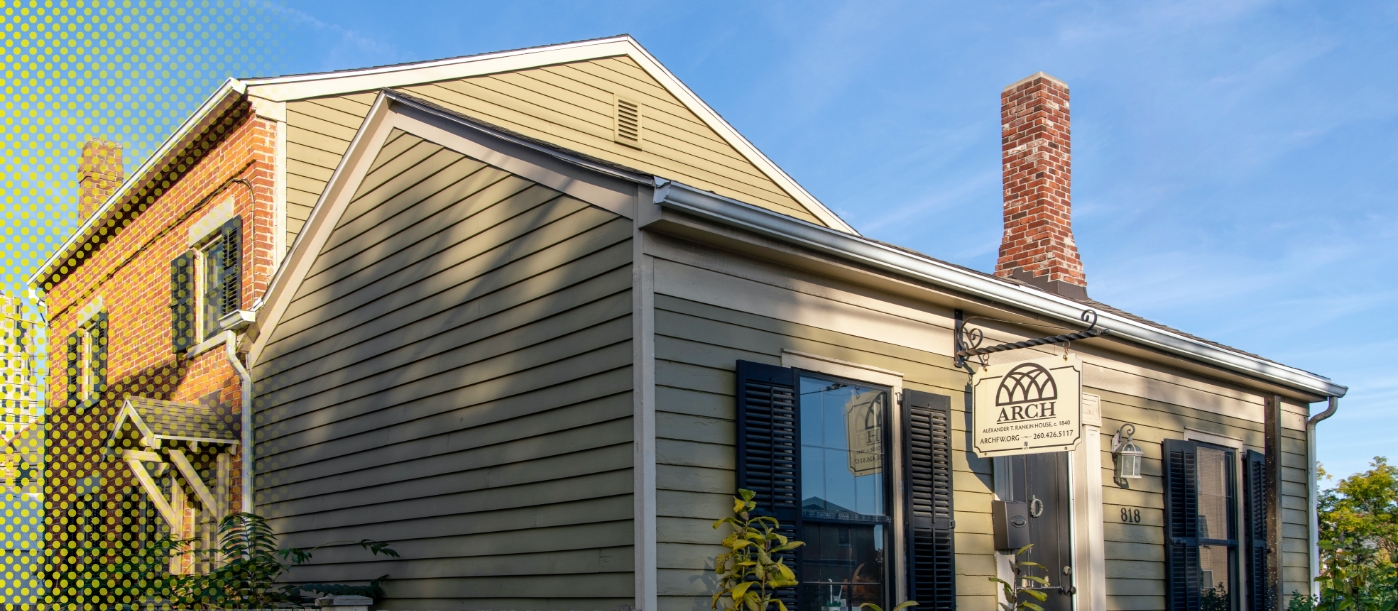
pixel 1036 146
pixel 100 172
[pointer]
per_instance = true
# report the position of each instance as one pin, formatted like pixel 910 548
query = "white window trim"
pixel 201 234
pixel 894 381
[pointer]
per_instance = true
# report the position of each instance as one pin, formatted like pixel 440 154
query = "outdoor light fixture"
pixel 1127 456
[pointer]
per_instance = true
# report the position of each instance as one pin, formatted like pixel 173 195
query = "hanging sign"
pixel 1027 407
pixel 864 426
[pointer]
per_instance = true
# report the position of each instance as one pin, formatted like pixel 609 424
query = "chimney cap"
pixel 1037 75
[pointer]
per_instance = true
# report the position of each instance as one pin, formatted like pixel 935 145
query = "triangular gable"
pixel 403 132
pixel 560 93
pixel 158 421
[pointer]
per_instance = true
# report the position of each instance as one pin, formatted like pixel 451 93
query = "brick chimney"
pixel 100 172
pixel 1038 245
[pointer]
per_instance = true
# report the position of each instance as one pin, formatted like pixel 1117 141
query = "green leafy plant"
pixel 1013 590
pixel 247 564
pixel 751 572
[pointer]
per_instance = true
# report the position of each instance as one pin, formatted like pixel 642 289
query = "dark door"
pixel 1042 481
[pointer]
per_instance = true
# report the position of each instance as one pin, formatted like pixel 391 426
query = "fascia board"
pixel 340 83
pixel 211 109
pixel 733 213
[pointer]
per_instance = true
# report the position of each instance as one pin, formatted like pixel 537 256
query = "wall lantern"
pixel 1127 455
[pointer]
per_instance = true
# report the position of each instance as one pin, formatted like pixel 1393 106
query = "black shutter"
pixel 930 527
pixel 1181 525
pixel 232 232
pixel 1255 510
pixel 769 448
pixel 182 302
pixel 99 358
pixel 74 368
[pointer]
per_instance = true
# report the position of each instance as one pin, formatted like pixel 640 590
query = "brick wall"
pixel 1036 145
pixel 130 272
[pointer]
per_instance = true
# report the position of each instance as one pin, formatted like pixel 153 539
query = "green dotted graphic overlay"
pixel 116 78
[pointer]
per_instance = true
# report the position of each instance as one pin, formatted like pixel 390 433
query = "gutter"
pixel 682 198
pixel 230 345
pixel 1313 519
pixel 212 109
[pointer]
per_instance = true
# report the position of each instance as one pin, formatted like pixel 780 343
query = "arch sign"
pixel 1026 407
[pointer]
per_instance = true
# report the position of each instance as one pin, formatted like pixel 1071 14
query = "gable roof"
pixel 304 86
pixel 158 420
pixel 319 85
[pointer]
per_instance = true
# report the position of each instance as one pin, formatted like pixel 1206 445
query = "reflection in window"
pixel 1217 535
pixel 844 509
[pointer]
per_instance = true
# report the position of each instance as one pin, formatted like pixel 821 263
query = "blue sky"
pixel 1235 173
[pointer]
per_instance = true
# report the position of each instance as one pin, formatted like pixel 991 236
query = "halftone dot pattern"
pixel 116 77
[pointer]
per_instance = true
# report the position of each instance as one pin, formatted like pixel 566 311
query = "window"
pixel 1217 528
pixel 1203 535
pixel 819 452
pixel 87 362
pixel 212 280
pixel 205 286
pixel 844 494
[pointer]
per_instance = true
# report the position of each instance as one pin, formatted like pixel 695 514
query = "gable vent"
pixel 628 122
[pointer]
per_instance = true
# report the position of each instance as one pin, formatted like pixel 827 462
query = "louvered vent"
pixel 628 122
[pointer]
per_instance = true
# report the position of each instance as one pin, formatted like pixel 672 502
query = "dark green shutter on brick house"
pixel 182 302
pixel 232 232
pixel 74 368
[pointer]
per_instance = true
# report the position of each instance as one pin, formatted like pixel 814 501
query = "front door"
pixel 1041 480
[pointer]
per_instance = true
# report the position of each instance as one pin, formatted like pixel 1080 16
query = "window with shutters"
pixel 1202 531
pixel 205 286
pixel 819 452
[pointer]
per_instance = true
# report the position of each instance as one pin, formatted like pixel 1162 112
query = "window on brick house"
pixel 206 286
pixel 87 362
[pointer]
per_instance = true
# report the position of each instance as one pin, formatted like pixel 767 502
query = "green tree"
pixel 1363 509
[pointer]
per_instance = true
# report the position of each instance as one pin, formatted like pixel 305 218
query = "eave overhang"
pixel 174 147
pixel 672 196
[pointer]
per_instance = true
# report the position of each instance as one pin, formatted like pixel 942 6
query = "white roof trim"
pixel 231 89
pixel 370 79
pixel 734 213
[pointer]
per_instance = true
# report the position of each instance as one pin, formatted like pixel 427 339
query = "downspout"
pixel 230 345
pixel 1314 518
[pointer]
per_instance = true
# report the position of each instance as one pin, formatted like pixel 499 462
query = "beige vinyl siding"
pixel 570 105
pixel 714 308
pixel 1135 553
pixel 454 377
pixel 697 346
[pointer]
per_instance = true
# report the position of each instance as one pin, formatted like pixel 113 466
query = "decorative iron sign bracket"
pixel 968 339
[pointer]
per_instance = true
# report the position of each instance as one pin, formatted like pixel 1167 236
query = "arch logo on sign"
pixel 1027 407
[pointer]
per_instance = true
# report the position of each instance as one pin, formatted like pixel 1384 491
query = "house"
pixel 535 316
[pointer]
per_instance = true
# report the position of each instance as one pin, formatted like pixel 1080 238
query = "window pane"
pixel 213 287
pixel 1215 495
pixel 844 496
pixel 1214 577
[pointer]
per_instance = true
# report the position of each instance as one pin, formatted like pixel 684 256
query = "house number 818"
pixel 1130 515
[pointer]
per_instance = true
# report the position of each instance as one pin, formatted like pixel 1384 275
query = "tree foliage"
pixel 1358 543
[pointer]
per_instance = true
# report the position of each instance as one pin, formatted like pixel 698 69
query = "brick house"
pixel 115 354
